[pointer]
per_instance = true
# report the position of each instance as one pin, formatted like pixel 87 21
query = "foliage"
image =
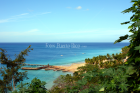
pixel 11 74
pixel 21 88
pixel 133 53
pixel 56 89
pixel 110 79
pixel 36 86
pixel 70 82
pixel 125 50
pixel 116 77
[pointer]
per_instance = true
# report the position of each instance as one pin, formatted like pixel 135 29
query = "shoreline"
pixel 73 67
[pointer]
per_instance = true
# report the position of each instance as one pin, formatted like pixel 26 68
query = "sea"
pixel 59 54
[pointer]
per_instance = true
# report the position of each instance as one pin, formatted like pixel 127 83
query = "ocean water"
pixel 59 54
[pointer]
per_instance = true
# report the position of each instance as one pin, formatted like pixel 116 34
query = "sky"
pixel 63 20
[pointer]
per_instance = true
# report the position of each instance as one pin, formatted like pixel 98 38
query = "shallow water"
pixel 52 56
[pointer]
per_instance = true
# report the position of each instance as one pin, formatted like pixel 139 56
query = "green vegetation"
pixel 10 74
pixel 116 77
pixel 36 86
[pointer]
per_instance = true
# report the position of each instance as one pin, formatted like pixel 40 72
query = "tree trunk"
pixel 11 85
pixel 14 83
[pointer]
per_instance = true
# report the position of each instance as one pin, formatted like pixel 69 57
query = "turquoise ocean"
pixel 60 54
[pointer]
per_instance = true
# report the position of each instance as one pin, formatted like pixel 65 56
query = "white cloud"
pixel 19 16
pixel 13 17
pixel 87 9
pixel 79 7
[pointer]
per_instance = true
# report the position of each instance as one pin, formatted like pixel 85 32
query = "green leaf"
pixel 125 22
pixel 127 10
pixel 133 36
pixel 102 89
pixel 82 82
pixel 137 59
pixel 134 1
pixel 130 27
pixel 138 87
pixel 130 70
pixel 132 16
pixel 84 91
pixel 121 39
pixel 123 87
pixel 137 23
pixel 137 48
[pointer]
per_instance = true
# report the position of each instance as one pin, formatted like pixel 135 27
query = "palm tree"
pixel 96 60
pixel 114 62
pixel 105 64
pixel 105 57
pixel 93 60
pixel 102 59
pixel 113 56
pixel 101 64
pixel 85 60
pixel 88 60
pixel 109 57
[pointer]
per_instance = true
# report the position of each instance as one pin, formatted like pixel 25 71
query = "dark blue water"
pixel 50 53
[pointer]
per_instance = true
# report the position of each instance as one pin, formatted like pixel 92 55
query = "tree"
pixel 134 52
pixel 109 57
pixel 113 56
pixel 37 86
pixel 4 84
pixel 125 50
pixel 21 88
pixel 12 76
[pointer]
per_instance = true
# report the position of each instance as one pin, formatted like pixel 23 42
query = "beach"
pixel 72 58
pixel 73 67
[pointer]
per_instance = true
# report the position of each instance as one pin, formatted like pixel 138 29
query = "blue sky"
pixel 63 20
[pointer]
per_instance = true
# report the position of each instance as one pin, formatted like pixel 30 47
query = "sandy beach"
pixel 73 67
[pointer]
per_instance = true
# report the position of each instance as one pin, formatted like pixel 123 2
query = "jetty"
pixel 30 64
pixel 46 67
pixel 55 68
